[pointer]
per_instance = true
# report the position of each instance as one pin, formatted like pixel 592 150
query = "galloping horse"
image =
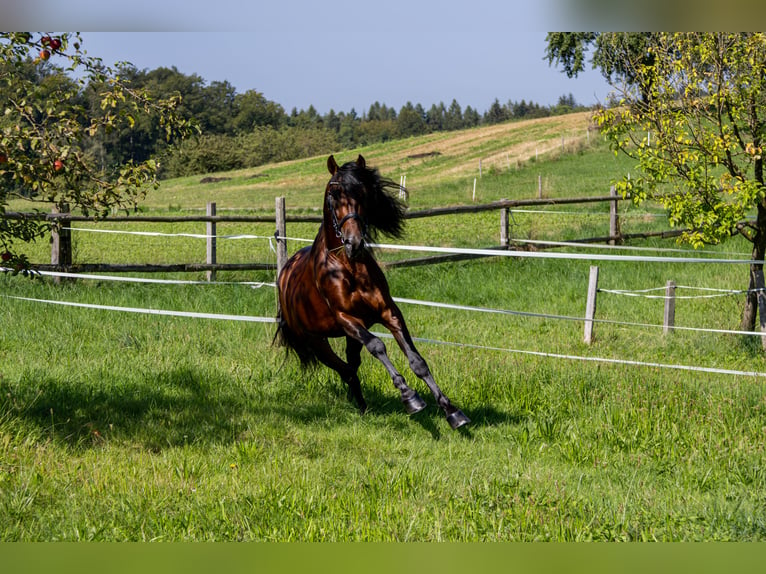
pixel 335 288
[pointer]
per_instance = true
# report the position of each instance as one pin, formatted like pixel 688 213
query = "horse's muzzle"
pixel 354 246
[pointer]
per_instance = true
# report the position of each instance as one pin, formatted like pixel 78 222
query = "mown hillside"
pixel 430 163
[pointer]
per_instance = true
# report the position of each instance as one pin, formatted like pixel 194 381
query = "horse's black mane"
pixel 383 210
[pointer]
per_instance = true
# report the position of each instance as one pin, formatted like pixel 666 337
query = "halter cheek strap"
pixel 338 225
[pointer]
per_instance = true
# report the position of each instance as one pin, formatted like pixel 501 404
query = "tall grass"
pixel 117 426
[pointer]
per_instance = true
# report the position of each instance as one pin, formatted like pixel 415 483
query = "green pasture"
pixel 122 426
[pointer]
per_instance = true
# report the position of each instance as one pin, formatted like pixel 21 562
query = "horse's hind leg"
pixel 395 323
pixel 354 360
pixel 347 371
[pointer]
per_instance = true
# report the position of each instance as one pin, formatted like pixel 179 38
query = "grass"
pixel 118 426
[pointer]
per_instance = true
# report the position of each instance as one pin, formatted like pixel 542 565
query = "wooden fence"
pixel 668 315
pixel 61 244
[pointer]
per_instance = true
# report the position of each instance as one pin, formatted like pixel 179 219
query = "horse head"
pixel 345 205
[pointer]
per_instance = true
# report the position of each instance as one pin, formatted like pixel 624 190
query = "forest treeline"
pixel 240 130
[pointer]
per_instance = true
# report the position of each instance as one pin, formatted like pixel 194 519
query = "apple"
pixel 55 44
pixel 58 165
pixel 3 157
pixel 45 54
pixel 6 256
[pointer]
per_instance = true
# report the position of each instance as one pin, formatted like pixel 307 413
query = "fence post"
pixel 504 228
pixel 539 186
pixel 211 241
pixel 670 307
pixel 614 221
pixel 590 305
pixel 61 241
pixel 281 234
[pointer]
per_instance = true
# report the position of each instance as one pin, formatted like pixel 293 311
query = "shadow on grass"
pixel 190 406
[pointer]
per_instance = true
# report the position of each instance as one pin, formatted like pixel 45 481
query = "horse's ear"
pixel 360 161
pixel 331 165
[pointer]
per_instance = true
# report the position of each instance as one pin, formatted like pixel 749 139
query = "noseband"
pixel 338 225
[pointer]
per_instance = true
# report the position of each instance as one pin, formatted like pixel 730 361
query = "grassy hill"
pixel 432 163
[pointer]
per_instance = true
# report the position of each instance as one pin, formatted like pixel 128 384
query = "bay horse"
pixel 335 288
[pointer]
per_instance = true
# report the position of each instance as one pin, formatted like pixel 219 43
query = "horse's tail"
pixel 293 343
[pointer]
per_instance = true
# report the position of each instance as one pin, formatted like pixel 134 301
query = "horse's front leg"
pixel 393 320
pixel 358 335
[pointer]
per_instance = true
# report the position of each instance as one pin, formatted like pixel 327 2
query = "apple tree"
pixel 48 135
pixel 694 119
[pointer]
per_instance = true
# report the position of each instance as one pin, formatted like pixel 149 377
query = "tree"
pixel 254 110
pixel 568 50
pixel 496 113
pixel 471 117
pixel 436 117
pixel 306 118
pixel 702 97
pixel 48 136
pixel 411 120
pixel 616 54
pixel 453 120
pixel 219 107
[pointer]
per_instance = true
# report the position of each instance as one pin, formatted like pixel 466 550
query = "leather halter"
pixel 338 225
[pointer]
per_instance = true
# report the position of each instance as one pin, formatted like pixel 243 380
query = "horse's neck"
pixel 327 237
pixel 325 241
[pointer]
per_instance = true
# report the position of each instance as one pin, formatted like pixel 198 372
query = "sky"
pixel 355 69
pixel 335 55
pixel 344 54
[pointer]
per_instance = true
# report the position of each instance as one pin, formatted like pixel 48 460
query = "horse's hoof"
pixel 457 419
pixel 413 404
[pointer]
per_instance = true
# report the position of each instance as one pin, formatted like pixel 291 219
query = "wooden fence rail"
pixel 61 244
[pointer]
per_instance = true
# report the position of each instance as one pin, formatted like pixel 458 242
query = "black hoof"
pixel 413 404
pixel 457 419
pixel 359 402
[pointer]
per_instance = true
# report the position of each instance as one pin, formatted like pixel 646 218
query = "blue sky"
pixel 335 55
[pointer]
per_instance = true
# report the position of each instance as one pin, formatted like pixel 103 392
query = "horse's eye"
pixel 334 190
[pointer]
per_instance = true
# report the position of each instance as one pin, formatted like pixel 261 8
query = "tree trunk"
pixel 755 304
pixel 751 303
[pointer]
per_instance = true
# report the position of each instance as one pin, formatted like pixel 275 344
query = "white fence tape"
pixel 253 319
pixel 164 312
pixel 162 234
pixel 645 296
pixel 570 318
pixel 452 306
pixel 712 370
pixel 580 245
pixel 702 256
pixel 585 213
pixel 556 255
pixel 124 279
